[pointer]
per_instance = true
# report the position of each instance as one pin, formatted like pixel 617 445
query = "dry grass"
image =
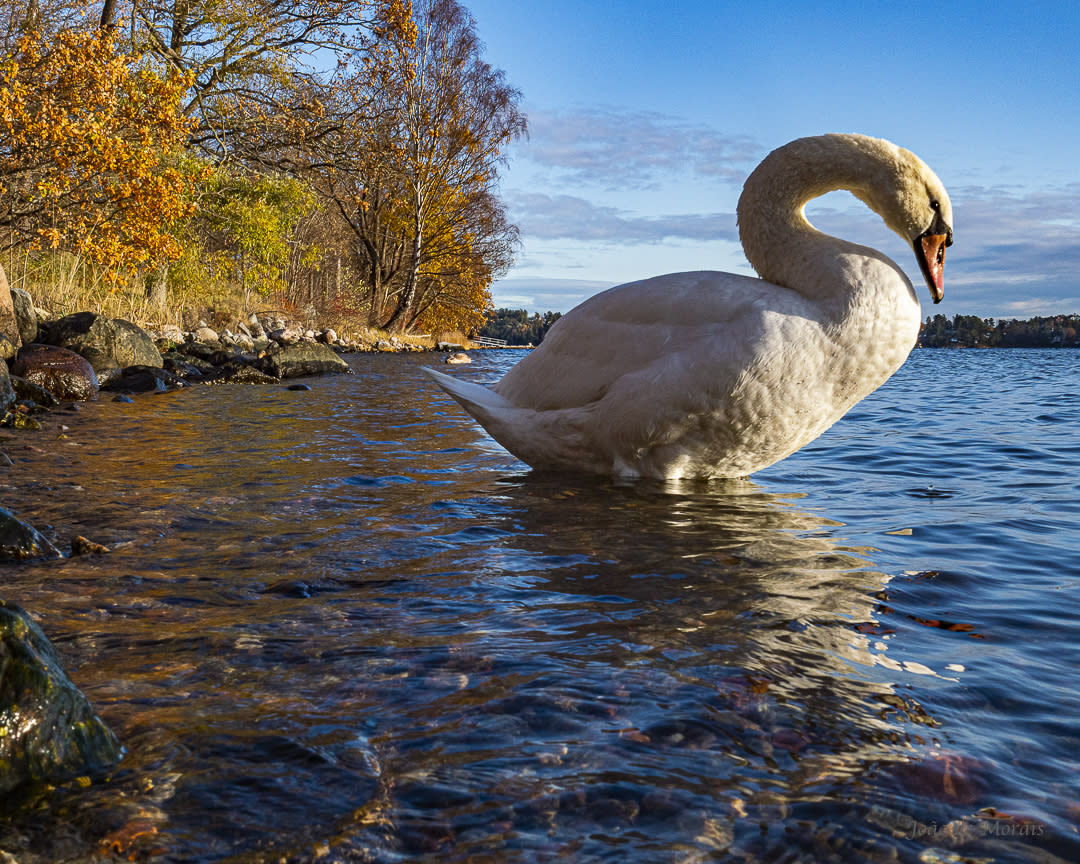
pixel 61 283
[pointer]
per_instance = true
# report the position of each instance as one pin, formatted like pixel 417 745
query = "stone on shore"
pixel 65 374
pixel 177 364
pixel 302 358
pixel 109 344
pixel 170 333
pixel 8 349
pixel 238 374
pixel 25 315
pixel 7 388
pixel 205 334
pixel 143 379
pixel 288 335
pixel 9 326
pixel 20 541
pixel 28 390
pixel 51 731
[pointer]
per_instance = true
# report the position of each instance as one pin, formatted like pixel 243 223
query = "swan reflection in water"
pixel 671 657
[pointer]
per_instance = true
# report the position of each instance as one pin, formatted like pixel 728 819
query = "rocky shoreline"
pixel 51 365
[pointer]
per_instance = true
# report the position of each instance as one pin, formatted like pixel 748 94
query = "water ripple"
pixel 344 625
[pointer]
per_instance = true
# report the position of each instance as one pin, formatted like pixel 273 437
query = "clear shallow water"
pixel 344 625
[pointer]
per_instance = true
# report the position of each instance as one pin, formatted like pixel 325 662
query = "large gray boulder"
pixel 50 730
pixel 302 358
pixel 63 373
pixel 20 541
pixel 107 343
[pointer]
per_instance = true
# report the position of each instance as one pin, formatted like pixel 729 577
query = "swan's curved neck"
pixel 779 242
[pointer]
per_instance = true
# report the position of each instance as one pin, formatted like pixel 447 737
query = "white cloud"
pixel 632 149
pixel 552 217
pixel 543 294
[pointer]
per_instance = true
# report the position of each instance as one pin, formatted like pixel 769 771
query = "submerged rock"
pixel 50 730
pixel 458 359
pixel 302 358
pixel 20 419
pixel 82 546
pixel 20 541
pixel 65 374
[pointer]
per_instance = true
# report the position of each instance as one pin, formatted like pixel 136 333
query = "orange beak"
pixel 930 250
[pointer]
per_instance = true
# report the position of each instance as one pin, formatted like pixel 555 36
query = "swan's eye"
pixel 935 205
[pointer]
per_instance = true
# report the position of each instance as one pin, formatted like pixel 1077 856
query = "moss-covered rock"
pixel 20 541
pixel 47 728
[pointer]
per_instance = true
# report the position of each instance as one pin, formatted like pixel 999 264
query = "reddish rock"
pixel 62 372
pixel 944 776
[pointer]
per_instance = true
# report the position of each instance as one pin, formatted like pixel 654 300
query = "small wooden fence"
pixel 484 342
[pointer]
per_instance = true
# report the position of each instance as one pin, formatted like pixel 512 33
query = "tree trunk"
pixel 107 13
pixel 157 292
pixel 400 320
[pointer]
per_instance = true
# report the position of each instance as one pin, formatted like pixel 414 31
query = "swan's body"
pixel 710 374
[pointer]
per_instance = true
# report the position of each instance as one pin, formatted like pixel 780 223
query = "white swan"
pixel 710 374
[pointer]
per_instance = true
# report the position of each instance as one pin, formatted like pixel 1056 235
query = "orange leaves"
pixel 395 22
pixel 89 150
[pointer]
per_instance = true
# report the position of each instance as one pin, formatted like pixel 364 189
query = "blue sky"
pixel 645 118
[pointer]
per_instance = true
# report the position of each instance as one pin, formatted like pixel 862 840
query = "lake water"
pixel 343 625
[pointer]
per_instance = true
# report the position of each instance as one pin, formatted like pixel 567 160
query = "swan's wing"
pixel 645 330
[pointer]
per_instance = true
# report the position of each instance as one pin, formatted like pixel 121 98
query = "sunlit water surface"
pixel 344 625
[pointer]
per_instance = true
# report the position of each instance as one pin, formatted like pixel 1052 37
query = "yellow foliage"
pixel 91 157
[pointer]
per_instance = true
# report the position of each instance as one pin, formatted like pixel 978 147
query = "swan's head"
pixel 913 202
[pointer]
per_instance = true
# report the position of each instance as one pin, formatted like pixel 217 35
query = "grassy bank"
pixel 61 284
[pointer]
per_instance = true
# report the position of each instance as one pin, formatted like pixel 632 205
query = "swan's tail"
pixel 483 404
pixel 543 439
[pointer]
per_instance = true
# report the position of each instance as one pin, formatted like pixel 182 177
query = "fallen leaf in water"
pixel 120 841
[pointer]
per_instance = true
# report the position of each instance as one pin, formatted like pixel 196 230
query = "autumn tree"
pixel 419 191
pixel 260 72
pixel 257 67
pixel 91 150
